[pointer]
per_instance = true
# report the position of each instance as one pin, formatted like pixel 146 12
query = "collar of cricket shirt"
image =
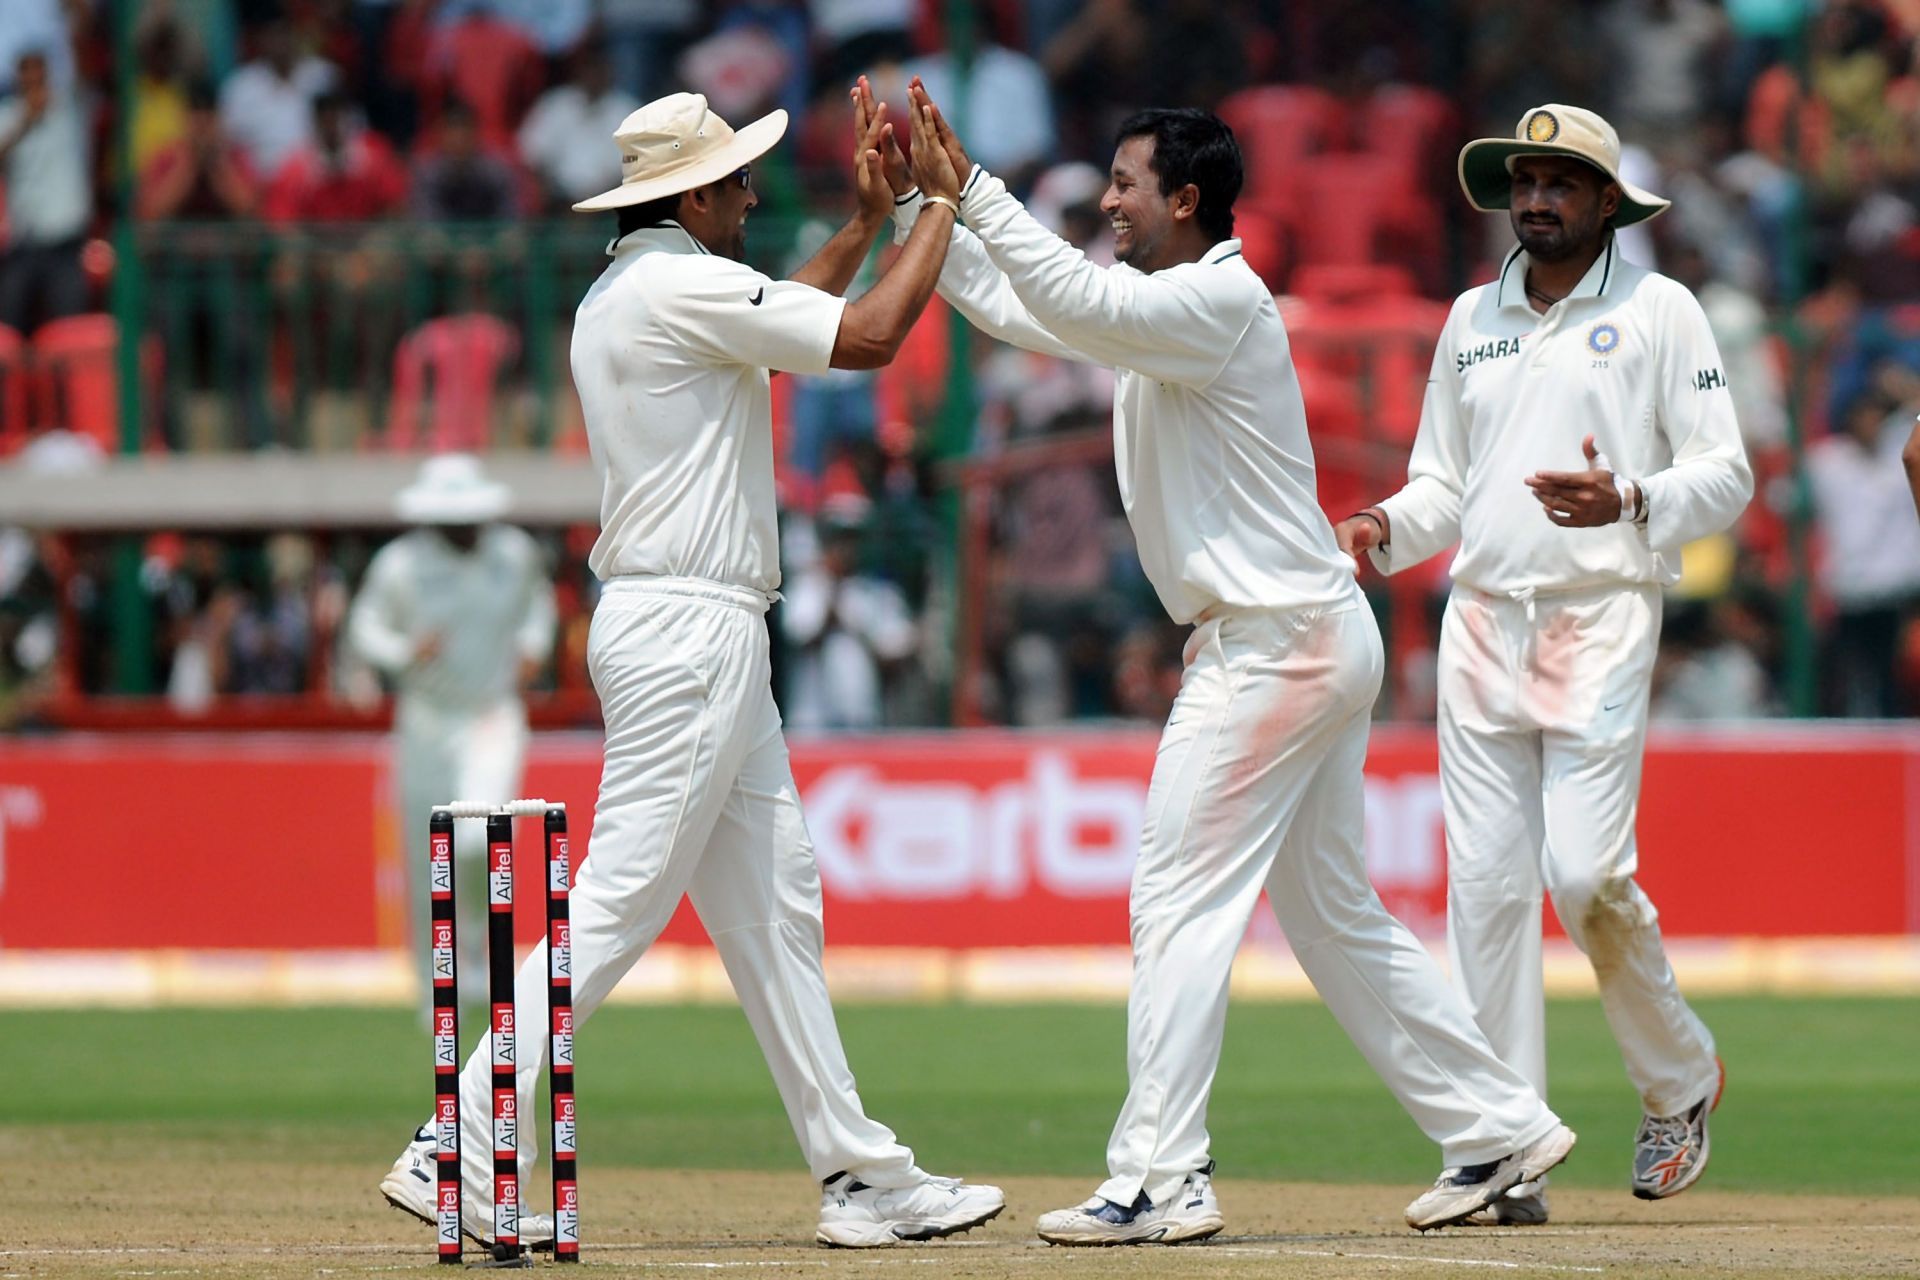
pixel 668 235
pixel 1222 252
pixel 1512 285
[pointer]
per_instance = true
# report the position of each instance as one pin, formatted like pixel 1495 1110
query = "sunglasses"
pixel 744 173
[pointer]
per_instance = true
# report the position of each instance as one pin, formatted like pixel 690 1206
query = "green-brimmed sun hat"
pixel 1486 164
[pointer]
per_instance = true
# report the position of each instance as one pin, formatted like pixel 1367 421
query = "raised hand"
pixel 872 135
pixel 893 162
pixel 949 140
pixel 933 167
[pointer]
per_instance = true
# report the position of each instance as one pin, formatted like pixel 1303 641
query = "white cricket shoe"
pixel 854 1215
pixel 1670 1152
pixel 1191 1213
pixel 1523 1205
pixel 1460 1192
pixel 409 1186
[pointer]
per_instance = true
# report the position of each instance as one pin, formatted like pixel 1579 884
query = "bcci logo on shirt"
pixel 1603 339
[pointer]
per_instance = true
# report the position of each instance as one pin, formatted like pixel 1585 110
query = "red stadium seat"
pixel 13 391
pixel 77 382
pixel 1278 126
pixel 1349 283
pixel 453 362
pixel 1382 345
pixel 1263 242
pixel 1413 126
pixel 1357 208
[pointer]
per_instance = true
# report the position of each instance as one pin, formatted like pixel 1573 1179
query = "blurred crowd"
pixel 1787 133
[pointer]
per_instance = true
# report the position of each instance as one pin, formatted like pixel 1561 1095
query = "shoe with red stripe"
pixel 1670 1152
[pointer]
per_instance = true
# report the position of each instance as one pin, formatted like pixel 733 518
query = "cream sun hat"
pixel 452 489
pixel 675 144
pixel 1486 164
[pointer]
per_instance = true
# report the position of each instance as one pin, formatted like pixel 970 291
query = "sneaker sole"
pixel 1502 1213
pixel 398 1202
pixel 884 1235
pixel 1166 1233
pixel 1706 1149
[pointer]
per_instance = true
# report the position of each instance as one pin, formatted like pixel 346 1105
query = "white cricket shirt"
pixel 1209 432
pixel 671 351
pixel 492 607
pixel 1628 358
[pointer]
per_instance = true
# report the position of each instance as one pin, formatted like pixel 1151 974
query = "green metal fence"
pixel 294 337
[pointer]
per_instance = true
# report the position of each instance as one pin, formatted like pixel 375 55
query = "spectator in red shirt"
pixel 348 173
pixel 201 176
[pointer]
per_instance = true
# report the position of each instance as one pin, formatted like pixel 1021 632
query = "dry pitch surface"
pixel 73 1212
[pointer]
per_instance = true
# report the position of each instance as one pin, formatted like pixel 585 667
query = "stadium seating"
pixel 76 377
pixel 13 391
pixel 444 374
pixel 1278 127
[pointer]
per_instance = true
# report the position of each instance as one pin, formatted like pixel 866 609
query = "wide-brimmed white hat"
pixel 453 489
pixel 1486 164
pixel 675 144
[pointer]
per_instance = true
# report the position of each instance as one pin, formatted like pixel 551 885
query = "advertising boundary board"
pixel 933 841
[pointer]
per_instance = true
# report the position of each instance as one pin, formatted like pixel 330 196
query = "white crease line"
pixel 1450 1262
pixel 720 1266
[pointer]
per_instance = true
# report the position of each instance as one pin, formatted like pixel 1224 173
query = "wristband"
pixel 927 200
pixel 1629 509
pixel 1377 521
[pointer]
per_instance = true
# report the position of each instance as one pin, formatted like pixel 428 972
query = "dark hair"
pixel 1192 146
pixel 632 217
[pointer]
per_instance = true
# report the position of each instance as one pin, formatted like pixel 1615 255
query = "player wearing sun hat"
pixel 1577 432
pixel 673 347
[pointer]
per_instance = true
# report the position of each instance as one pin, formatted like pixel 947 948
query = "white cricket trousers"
pixel 696 798
pixel 1543 718
pixel 454 753
pixel 1258 784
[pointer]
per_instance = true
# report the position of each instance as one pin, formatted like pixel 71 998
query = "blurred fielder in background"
pixel 1547 651
pixel 459 615
pixel 671 352
pixel 1257 783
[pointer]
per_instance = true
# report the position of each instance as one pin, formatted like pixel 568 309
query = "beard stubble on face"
pixel 1551 238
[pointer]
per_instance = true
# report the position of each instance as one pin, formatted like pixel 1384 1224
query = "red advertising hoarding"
pixel 937 840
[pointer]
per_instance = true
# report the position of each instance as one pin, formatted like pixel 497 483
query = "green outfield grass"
pixel 1823 1095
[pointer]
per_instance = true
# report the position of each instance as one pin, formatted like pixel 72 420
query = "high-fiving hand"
pixel 866 113
pixel 932 161
pixel 949 141
pixel 875 154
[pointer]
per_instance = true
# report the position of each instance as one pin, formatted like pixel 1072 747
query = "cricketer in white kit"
pixel 458 613
pixel 1257 783
pixel 1573 357
pixel 672 350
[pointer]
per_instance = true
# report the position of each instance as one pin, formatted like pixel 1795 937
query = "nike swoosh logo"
pixel 755 299
pixel 1610 706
